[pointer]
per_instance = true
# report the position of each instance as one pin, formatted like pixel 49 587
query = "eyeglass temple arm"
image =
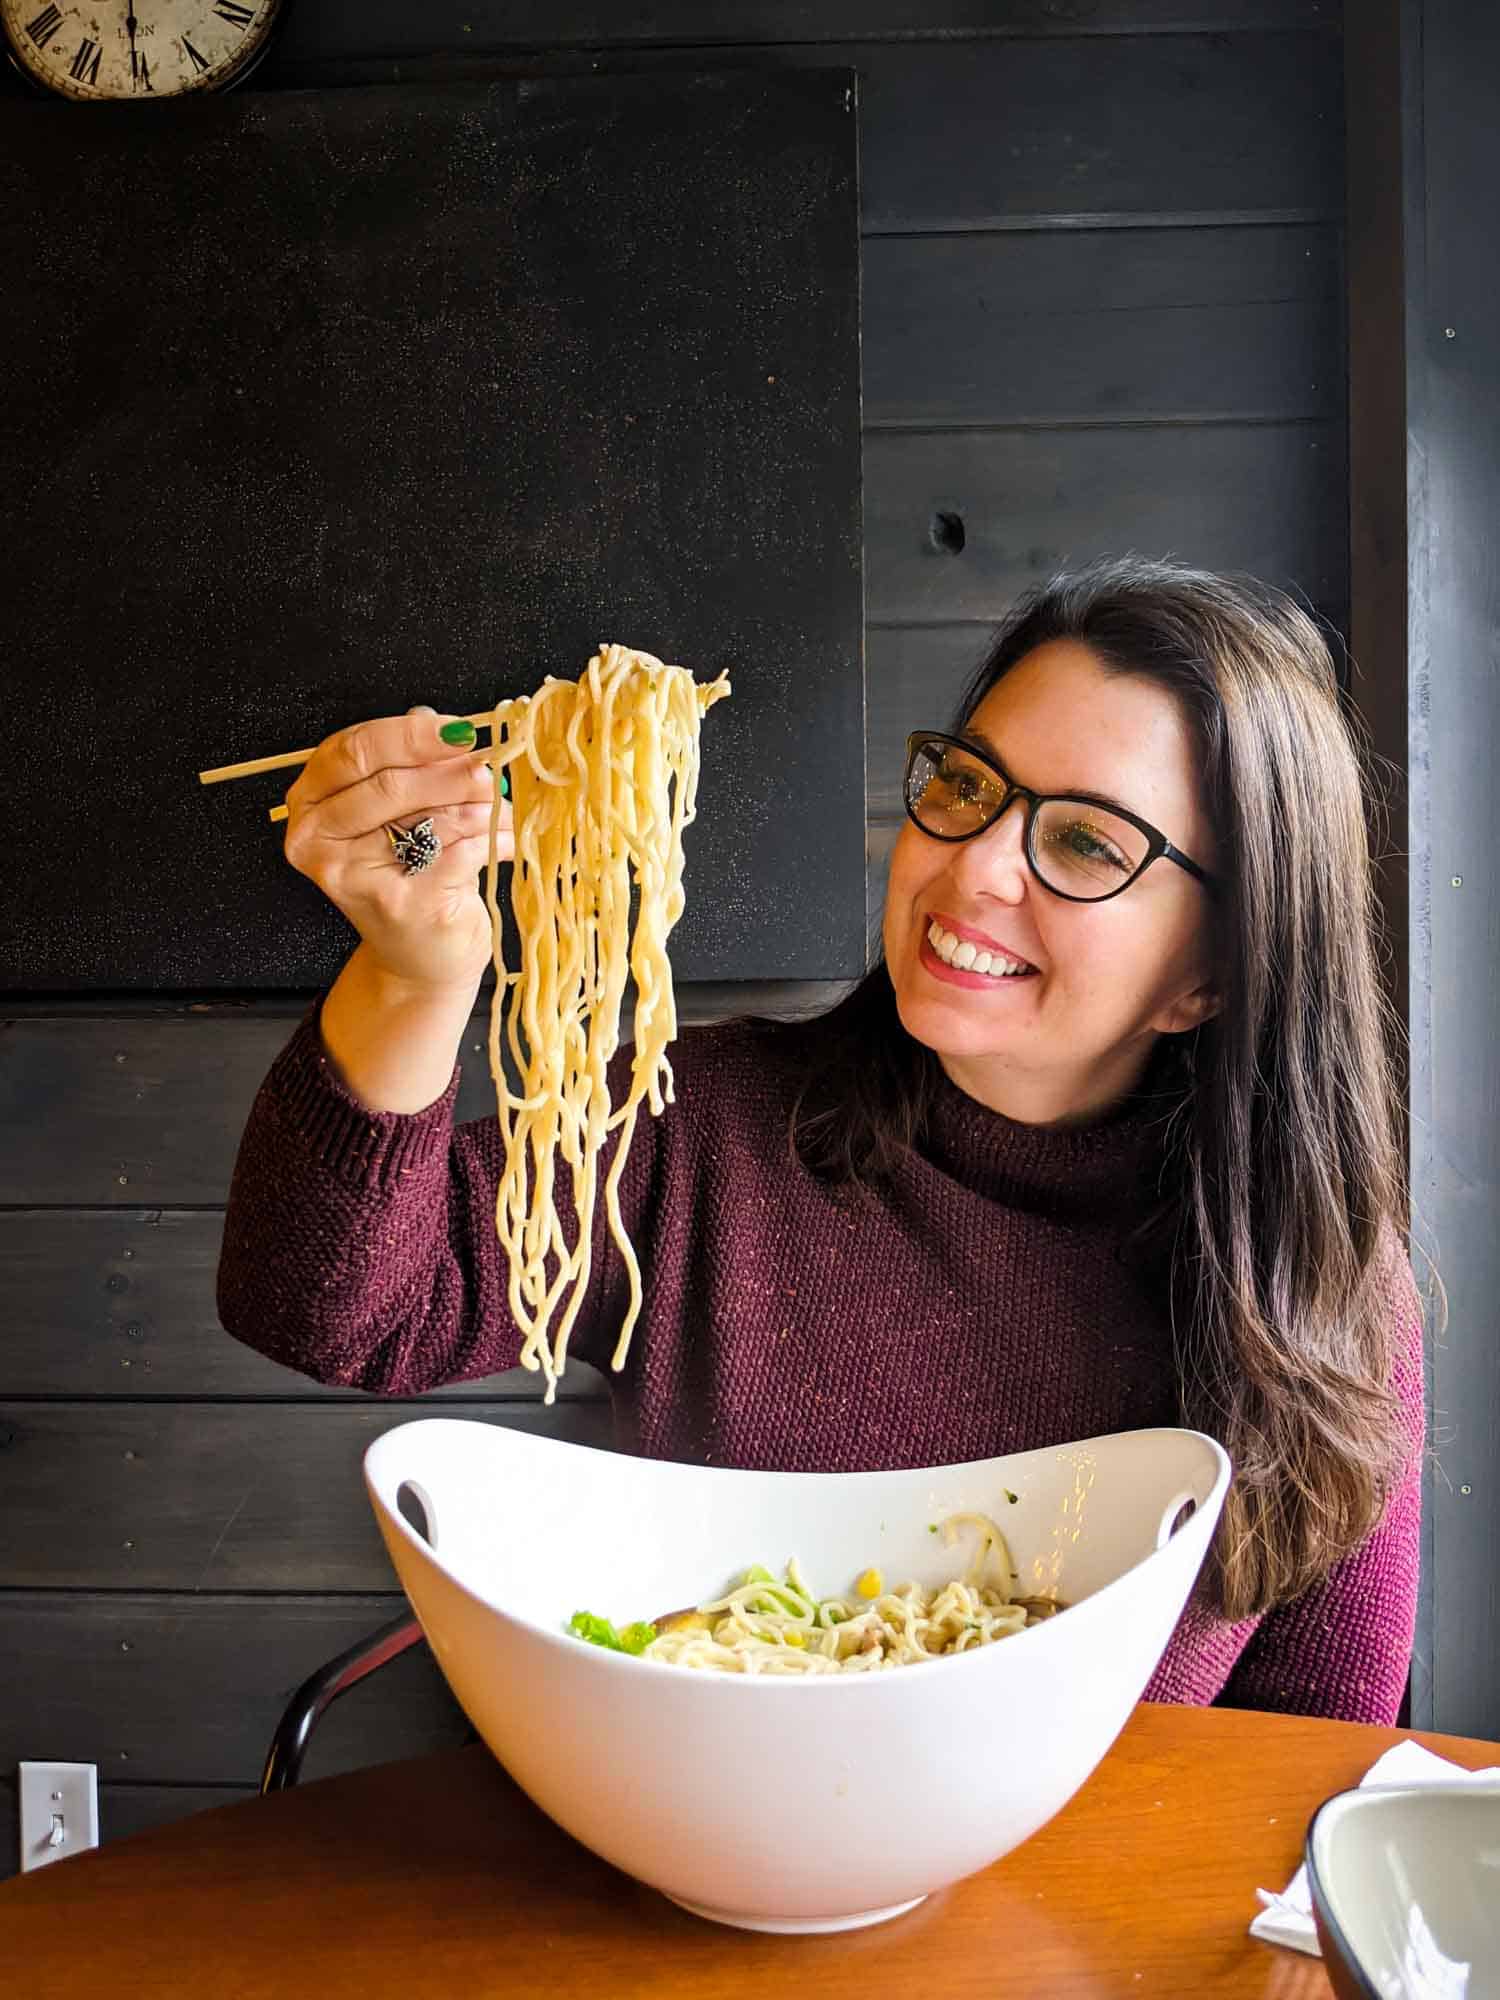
pixel 1186 861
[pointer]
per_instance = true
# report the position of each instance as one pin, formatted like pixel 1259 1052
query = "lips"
pixel 981 940
pixel 954 961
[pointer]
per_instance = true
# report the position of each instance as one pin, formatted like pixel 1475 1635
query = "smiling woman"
pixel 1105 975
pixel 1104 1143
pixel 1249 997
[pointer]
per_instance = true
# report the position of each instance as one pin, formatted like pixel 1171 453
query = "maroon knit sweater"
pixel 980 1305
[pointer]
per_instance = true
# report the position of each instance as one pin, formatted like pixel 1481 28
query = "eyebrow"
pixel 982 742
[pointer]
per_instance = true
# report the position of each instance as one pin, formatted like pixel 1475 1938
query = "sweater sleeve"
pixel 359 1246
pixel 1343 1649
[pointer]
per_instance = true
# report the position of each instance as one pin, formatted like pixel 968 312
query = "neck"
pixel 1047 1097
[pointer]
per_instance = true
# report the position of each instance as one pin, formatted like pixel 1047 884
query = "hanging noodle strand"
pixel 603 779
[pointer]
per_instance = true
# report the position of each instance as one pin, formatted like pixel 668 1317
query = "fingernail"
pixel 461 734
pixel 504 786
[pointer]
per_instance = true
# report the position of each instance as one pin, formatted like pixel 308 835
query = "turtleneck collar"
pixel 1067 1171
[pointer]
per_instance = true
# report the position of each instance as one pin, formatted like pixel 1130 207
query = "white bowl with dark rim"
pixel 793 1803
pixel 1405 1883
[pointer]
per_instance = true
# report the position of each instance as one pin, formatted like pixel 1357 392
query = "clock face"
pixel 139 49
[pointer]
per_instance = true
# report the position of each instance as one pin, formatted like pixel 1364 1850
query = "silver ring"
pixel 415 847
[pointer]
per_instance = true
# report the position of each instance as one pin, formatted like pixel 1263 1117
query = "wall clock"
pixel 137 49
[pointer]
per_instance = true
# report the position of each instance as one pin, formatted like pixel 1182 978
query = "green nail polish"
pixel 504 786
pixel 461 735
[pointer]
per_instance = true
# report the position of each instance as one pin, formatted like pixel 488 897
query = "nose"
pixel 994 862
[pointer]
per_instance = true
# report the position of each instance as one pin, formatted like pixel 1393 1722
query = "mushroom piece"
pixel 689 1619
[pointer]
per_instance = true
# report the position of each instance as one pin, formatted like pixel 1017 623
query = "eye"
pixel 964 782
pixel 1088 843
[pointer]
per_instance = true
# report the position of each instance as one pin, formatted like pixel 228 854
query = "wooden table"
pixel 436 1877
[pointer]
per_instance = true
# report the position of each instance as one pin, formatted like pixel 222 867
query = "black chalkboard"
pixel 320 404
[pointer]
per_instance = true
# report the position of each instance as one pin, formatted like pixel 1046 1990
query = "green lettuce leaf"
pixel 634 1639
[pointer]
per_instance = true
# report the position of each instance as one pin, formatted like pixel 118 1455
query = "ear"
pixel 1188 1011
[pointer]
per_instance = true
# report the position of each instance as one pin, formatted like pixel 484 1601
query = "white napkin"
pixel 1287 1918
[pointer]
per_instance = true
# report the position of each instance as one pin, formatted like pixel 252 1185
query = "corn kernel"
pixel 869 1584
pixel 793 1639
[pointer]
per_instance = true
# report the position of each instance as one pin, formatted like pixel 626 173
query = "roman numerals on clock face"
pixel 140 49
pixel 44 26
pixel 84 68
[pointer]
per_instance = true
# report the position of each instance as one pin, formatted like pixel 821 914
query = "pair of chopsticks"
pixel 291 759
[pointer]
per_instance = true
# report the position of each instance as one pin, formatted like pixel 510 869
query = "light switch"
pixel 59 1805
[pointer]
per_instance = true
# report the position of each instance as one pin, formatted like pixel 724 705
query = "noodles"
pixel 603 777
pixel 766 1627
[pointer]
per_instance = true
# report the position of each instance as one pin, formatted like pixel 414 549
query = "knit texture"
pixel 980 1305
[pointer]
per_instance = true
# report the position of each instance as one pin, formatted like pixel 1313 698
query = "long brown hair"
pixel 1283 1193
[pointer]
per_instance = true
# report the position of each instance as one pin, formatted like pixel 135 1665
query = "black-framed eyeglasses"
pixel 1082 848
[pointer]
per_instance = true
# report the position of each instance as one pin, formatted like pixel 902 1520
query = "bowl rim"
pixel 1351 1798
pixel 561 1636
pixel 1323 1915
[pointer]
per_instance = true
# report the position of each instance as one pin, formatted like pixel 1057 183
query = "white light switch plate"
pixel 59 1812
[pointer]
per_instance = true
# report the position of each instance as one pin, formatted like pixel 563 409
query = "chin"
pixel 934 1026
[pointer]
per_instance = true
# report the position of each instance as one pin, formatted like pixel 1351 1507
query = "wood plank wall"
pixel 1102 310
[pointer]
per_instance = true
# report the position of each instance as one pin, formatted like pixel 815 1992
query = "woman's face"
pixel 1071 1034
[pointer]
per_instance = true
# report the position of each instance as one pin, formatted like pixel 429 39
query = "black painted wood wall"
pixel 1102 309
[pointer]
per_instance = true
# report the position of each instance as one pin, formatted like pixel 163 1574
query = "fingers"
pixel 455 826
pixel 461 860
pixel 394 742
pixel 382 884
pixel 470 837
pixel 398 792
pixel 450 823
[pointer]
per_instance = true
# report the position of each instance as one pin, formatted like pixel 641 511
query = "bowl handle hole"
pixel 415 1509
pixel 1176 1514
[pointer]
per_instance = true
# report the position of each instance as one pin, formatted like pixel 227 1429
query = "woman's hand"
pixel 431 930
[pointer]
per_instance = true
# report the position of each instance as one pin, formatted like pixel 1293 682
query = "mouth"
pixel 968 958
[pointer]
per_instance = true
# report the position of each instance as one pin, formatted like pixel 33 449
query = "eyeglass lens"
pixel 1079 849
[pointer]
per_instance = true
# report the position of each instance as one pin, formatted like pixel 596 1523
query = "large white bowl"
pixel 790 1804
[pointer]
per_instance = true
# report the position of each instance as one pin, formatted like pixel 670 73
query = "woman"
pixel 1106 1142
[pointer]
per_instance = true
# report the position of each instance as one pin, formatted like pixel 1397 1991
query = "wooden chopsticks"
pixel 289 760
pixel 708 693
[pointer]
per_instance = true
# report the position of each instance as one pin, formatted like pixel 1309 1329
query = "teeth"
pixel 967 957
